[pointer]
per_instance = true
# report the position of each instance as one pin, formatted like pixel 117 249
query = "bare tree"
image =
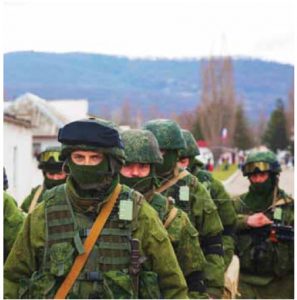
pixel 217 108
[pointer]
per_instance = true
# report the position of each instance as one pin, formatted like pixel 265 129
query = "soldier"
pixel 142 155
pixel 93 237
pixel 13 218
pixel 51 166
pixel 265 237
pixel 217 191
pixel 192 197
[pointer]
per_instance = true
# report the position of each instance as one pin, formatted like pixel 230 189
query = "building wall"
pixel 17 159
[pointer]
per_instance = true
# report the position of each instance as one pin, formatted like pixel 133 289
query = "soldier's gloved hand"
pixel 258 220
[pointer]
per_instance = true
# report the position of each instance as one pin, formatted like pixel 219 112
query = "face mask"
pixel 89 177
pixel 50 183
pixel 169 163
pixel 262 188
pixel 140 184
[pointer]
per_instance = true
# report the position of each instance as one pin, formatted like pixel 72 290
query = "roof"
pixel 24 106
pixel 16 121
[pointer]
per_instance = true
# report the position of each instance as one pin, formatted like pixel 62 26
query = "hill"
pixel 171 86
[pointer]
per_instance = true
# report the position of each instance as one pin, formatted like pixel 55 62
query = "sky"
pixel 153 28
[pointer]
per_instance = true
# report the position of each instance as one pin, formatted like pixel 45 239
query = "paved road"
pixel 239 184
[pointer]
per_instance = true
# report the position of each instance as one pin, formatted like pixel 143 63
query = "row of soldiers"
pixel 138 217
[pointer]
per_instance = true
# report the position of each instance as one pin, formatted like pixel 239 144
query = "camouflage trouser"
pixel 278 288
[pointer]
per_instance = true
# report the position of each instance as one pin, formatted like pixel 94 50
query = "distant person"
pixel 209 166
pixel 265 232
pixel 52 170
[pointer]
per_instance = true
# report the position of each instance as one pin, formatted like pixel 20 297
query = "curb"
pixel 231 178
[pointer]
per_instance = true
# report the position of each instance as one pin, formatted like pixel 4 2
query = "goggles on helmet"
pixel 254 167
pixel 47 155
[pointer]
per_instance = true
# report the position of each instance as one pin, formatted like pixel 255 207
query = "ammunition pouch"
pixel 149 285
pixel 61 258
pixel 41 285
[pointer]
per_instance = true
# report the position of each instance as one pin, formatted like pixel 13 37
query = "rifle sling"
pixel 90 241
pixel 35 198
pixel 172 181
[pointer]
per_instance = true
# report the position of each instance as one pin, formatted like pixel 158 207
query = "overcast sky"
pixel 156 28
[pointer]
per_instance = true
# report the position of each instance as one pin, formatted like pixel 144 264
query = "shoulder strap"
pixel 90 241
pixel 35 198
pixel 171 216
pixel 282 201
pixel 172 181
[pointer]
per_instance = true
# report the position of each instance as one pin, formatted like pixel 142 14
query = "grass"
pixel 222 175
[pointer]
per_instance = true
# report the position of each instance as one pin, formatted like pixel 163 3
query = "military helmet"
pixel 141 146
pixel 264 161
pixel 50 160
pixel 191 145
pixel 167 132
pixel 92 134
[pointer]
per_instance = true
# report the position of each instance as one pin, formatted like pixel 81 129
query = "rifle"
pixel 280 232
pixel 274 232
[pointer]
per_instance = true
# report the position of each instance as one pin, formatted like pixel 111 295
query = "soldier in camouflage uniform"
pixel 13 218
pixel 265 237
pixel 217 191
pixel 54 233
pixel 192 197
pixel 142 154
pixel 51 166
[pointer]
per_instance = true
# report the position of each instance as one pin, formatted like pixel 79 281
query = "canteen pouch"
pixel 149 285
pixel 61 258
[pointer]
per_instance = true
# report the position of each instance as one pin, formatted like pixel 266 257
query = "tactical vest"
pixel 106 273
pixel 260 252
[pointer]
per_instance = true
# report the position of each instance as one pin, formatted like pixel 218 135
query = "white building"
pixel 46 117
pixel 17 151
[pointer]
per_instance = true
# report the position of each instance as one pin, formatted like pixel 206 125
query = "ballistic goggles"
pixel 50 155
pixel 255 167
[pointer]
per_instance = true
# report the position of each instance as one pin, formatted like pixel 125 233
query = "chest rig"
pixel 67 230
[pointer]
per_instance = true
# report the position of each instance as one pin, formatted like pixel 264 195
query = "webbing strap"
pixel 90 241
pixel 280 202
pixel 172 181
pixel 171 216
pixel 35 198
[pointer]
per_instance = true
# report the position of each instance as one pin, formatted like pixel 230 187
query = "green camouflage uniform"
pixel 225 208
pixel 184 238
pixel 13 221
pixel 266 256
pixel 49 165
pixel 54 232
pixel 218 193
pixel 193 198
pixel 142 147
